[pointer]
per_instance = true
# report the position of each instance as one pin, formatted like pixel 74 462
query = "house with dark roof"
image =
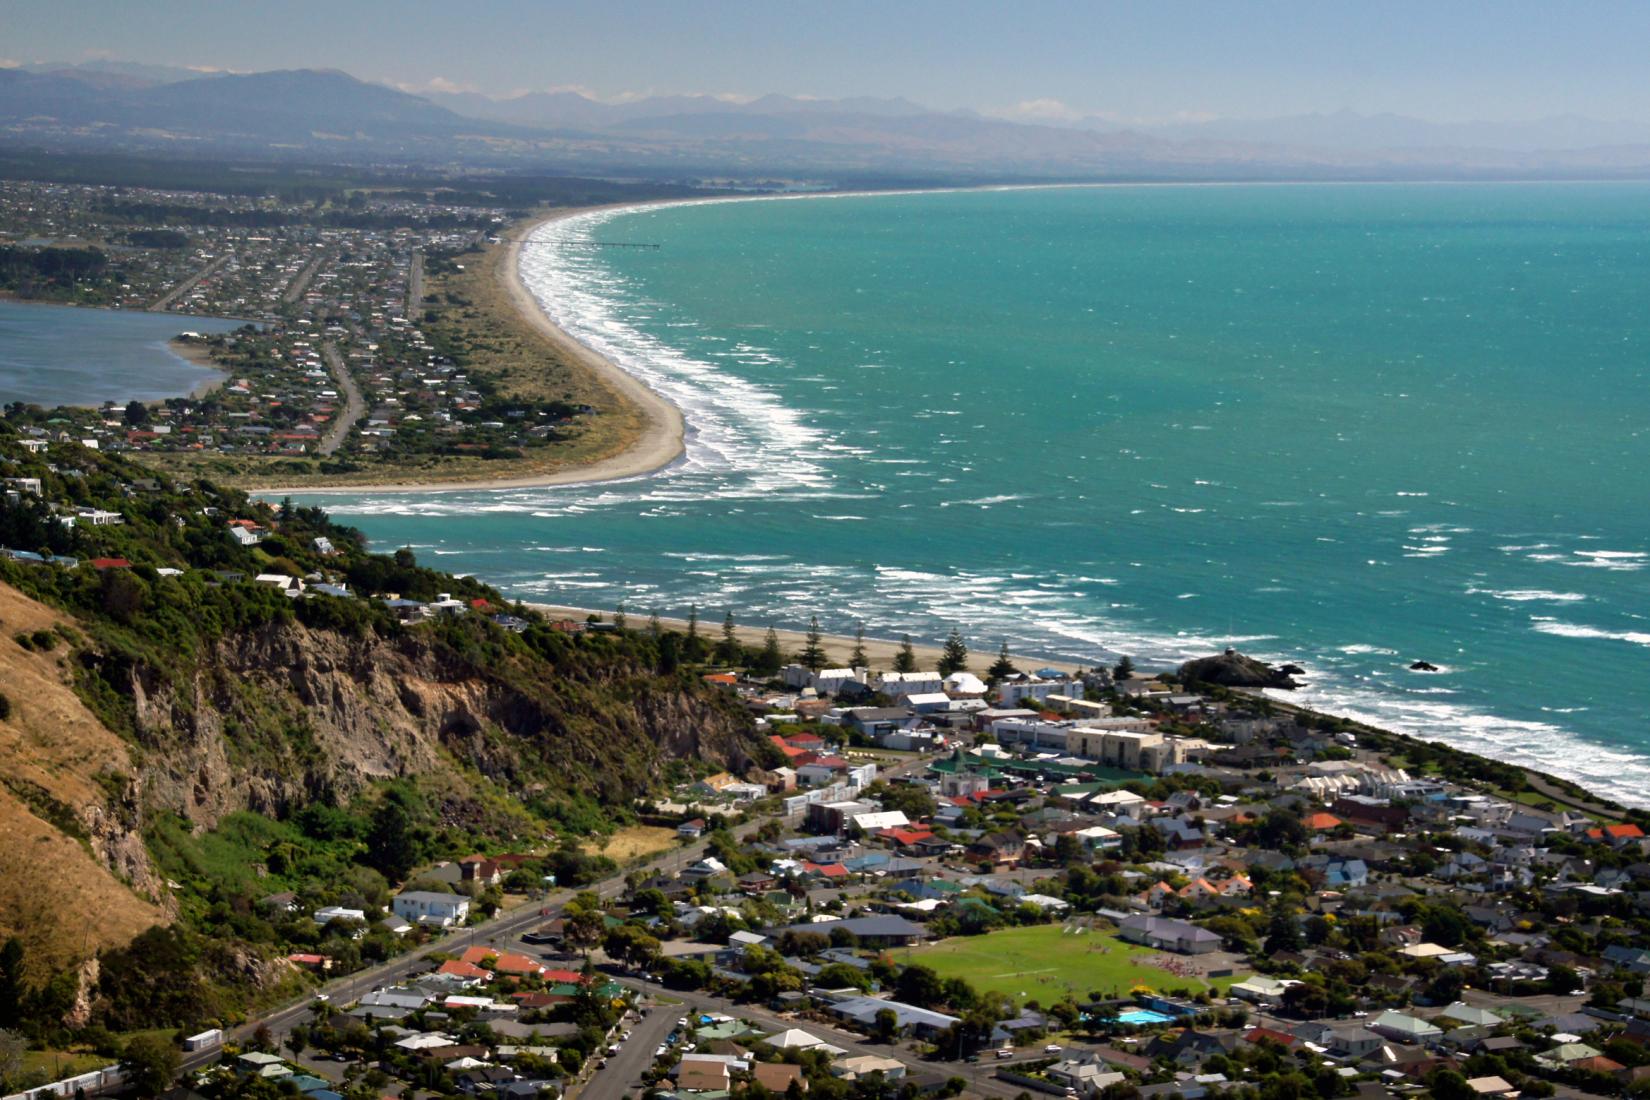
pixel 877 931
pixel 1168 934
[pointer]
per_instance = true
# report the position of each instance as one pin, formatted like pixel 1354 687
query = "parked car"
pixel 1004 1052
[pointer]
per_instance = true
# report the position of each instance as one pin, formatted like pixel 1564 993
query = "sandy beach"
pixel 200 357
pixel 660 443
pixel 881 651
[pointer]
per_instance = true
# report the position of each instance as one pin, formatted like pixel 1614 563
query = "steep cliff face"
pixel 273 718
pixel 284 715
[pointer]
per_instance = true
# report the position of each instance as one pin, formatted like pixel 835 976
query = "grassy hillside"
pixel 185 741
pixel 58 853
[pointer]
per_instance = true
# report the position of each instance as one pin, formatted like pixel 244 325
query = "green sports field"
pixel 1045 963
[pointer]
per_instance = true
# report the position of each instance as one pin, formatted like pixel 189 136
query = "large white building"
pixel 429 908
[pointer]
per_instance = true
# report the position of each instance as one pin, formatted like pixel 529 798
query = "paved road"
pixel 502 928
pixel 1543 785
pixel 355 406
pixel 189 284
pixel 624 1070
pixel 300 282
pixel 508 926
pixel 981 1075
pixel 415 285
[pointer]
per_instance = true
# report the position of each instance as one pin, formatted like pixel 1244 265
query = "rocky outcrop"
pixel 1233 669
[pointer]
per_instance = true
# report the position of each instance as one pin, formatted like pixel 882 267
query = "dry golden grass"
pixel 53 892
pixel 633 842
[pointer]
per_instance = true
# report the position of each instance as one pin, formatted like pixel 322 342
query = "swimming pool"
pixel 1138 1016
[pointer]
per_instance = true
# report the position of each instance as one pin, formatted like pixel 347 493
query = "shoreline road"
pixel 355 406
pixel 415 284
pixel 300 281
pixel 190 283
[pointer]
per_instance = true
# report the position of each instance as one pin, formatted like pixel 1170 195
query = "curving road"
pixel 355 406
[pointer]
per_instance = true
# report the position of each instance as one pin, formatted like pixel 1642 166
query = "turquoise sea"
pixel 1346 426
pixel 57 355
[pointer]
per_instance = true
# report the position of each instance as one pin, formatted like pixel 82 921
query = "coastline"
pixel 661 443
pixel 191 352
pixel 880 651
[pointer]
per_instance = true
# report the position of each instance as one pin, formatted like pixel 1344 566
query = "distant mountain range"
pixel 113 105
pixel 1348 130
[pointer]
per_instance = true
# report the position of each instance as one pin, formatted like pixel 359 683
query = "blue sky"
pixel 1155 60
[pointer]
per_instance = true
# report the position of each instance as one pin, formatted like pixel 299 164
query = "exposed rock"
pixel 1233 669
pixel 285 715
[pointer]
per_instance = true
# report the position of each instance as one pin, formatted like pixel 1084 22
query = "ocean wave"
pixel 1528 595
pixel 1578 630
pixel 1543 746
pixel 1621 561
pixel 733 423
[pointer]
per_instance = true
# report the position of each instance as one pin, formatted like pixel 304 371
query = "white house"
pixel 831 681
pixel 431 908
pixel 1015 693
pixel 928 702
pixel 897 685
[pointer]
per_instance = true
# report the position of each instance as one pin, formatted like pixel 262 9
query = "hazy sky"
pixel 1151 60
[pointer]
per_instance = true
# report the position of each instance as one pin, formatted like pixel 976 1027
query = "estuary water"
pixel 1348 426
pixel 57 355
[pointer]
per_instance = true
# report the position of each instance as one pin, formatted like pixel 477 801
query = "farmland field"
pixel 1045 963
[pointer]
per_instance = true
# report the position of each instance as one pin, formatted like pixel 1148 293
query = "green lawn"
pixel 56 1065
pixel 1044 963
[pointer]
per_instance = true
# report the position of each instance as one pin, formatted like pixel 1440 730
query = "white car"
pixel 1052 1048
pixel 1004 1052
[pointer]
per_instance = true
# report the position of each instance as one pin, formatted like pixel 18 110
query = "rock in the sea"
pixel 1422 666
pixel 1233 669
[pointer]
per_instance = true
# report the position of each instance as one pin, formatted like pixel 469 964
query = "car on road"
pixel 1004 1052
pixel 1052 1048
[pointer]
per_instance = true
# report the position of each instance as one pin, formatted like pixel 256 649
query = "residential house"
pixel 430 908
pixel 1166 934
